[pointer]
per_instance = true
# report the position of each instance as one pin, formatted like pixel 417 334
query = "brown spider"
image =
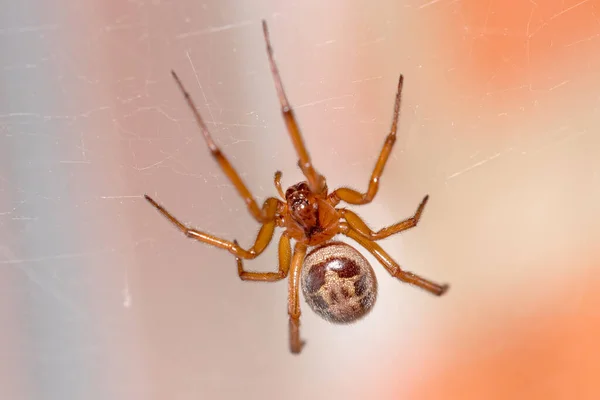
pixel 337 281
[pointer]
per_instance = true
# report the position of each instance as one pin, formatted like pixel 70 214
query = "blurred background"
pixel 103 299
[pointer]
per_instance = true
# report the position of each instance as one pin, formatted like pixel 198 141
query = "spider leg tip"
pixel 297 348
pixel 150 200
pixel 443 289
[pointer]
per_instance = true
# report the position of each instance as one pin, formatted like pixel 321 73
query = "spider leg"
pixel 390 265
pixel 226 166
pixel 262 239
pixel 352 196
pixel 316 181
pixel 296 343
pixel 358 225
pixel 284 264
pixel 277 181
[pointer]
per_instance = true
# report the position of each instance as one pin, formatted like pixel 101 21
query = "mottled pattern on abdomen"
pixel 338 282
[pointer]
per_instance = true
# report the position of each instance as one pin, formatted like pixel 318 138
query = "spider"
pixel 337 281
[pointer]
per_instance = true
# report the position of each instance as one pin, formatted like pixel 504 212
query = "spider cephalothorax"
pixel 302 205
pixel 338 282
pixel 311 217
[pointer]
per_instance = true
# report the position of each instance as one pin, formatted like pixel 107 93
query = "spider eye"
pixel 300 187
pixel 303 187
pixel 299 200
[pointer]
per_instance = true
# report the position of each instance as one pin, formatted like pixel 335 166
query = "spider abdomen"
pixel 338 283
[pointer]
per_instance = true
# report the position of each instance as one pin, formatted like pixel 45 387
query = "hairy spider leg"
pixel 265 234
pixel 293 268
pixel 285 256
pixel 390 265
pixel 224 163
pixel 277 181
pixel 352 196
pixel 357 224
pixel 316 182
pixel 296 343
